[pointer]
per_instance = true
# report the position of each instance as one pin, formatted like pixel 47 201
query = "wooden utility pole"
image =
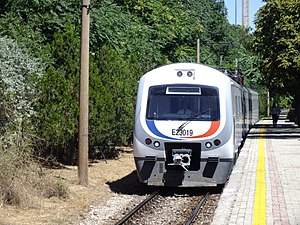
pixel 268 103
pixel 198 50
pixel 84 95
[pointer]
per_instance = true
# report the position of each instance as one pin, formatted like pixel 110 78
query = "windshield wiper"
pixel 193 116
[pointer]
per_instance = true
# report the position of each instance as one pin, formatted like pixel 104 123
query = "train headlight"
pixel 217 142
pixel 208 145
pixel 156 144
pixel 189 73
pixel 179 73
pixel 148 141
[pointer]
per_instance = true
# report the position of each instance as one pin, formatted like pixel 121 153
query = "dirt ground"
pixel 106 180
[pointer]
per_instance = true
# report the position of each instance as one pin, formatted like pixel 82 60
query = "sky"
pixel 254 5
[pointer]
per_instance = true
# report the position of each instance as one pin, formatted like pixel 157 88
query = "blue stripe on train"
pixel 153 129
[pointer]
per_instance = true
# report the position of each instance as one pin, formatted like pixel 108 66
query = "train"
pixel 190 123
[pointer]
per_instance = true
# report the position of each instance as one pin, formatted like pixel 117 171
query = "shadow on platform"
pixel 283 130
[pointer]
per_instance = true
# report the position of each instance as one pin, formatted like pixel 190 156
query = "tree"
pixel 127 39
pixel 18 91
pixel 277 39
pixel 34 23
pixel 58 108
pixel 125 32
pixel 176 25
pixel 120 83
pixel 111 98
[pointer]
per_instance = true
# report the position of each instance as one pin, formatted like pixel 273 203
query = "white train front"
pixel 189 123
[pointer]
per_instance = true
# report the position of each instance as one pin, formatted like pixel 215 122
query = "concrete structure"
pixel 264 187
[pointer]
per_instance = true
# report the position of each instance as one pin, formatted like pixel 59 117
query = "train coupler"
pixel 181 157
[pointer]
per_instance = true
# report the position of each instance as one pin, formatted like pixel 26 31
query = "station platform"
pixel 264 187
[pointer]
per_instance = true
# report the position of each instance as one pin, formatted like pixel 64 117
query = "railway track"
pixel 128 216
pixel 190 206
pixel 197 209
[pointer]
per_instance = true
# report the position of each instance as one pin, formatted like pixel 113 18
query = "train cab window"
pixel 182 102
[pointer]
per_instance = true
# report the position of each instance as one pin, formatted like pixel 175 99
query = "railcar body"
pixel 189 124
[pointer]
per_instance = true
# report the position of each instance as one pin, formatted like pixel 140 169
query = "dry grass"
pixel 23 181
pixel 57 198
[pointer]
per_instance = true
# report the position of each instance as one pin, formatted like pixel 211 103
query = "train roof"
pixel 185 73
pixel 196 69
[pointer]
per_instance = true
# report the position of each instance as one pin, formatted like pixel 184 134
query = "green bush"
pixel 120 82
pixel 58 107
pixel 20 178
pixel 112 91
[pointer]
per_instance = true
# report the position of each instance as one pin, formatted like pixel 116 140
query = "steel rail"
pixel 136 209
pixel 197 209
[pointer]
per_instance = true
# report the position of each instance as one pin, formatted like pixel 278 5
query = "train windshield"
pixel 183 102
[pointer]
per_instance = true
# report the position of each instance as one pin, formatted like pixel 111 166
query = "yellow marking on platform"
pixel 260 205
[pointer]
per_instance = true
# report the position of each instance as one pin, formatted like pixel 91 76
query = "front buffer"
pixel 183 166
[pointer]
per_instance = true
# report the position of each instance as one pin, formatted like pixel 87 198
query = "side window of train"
pixel 239 99
pixel 235 104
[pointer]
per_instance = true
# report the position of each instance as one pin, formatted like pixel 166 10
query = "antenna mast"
pixel 245 14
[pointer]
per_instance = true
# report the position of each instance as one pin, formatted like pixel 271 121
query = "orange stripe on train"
pixel 213 128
